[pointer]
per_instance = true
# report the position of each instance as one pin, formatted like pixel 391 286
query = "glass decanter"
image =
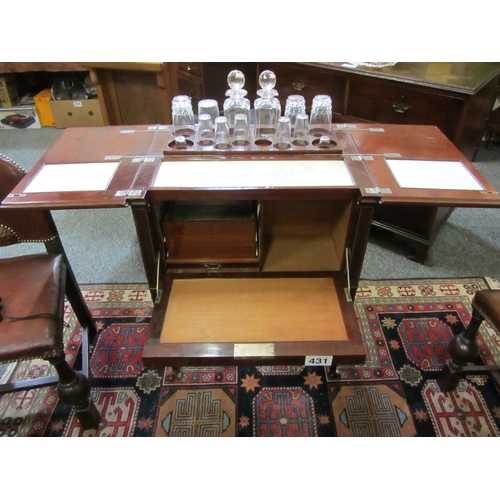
pixel 267 107
pixel 236 103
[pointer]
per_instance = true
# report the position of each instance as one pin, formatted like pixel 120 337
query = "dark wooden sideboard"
pixel 455 97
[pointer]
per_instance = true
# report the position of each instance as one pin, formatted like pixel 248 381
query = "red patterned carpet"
pixel 407 326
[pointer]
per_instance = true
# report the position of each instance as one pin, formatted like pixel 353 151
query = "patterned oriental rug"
pixel 406 325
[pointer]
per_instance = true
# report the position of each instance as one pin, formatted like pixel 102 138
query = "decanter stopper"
pixel 236 82
pixel 267 82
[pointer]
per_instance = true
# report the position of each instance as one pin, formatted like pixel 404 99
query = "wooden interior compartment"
pixel 220 310
pixel 211 231
pixel 304 235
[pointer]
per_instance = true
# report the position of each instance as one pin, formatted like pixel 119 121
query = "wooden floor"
pixel 253 310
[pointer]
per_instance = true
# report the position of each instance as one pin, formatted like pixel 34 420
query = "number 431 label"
pixel 318 361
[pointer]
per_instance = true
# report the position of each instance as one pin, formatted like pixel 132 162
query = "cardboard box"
pixel 20 117
pixel 43 108
pixel 85 113
pixel 8 91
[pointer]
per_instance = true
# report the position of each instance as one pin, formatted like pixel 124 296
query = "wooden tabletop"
pixel 140 151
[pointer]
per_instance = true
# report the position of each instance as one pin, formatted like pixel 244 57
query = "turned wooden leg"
pixel 463 349
pixel 177 373
pixel 74 389
pixel 449 377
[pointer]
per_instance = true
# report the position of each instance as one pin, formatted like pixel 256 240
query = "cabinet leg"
pixel 74 389
pixel 419 252
pixel 463 349
pixel 449 377
pixel 177 373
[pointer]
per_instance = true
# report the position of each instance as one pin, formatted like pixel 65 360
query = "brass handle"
pixel 190 66
pixel 400 107
pixel 213 267
pixel 298 85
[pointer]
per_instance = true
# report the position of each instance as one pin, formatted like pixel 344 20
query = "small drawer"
pixel 382 103
pixel 211 232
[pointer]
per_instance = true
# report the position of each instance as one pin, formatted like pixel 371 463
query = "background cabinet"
pixel 134 93
pixel 455 97
pixel 190 80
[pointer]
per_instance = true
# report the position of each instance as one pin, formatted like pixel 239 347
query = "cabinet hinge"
pixel 158 291
pixel 362 158
pixel 378 190
pixel 346 125
pixel 347 290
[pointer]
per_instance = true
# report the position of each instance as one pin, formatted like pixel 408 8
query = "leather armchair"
pixel 33 289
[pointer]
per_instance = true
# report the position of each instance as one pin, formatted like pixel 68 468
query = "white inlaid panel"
pixel 72 177
pixel 422 174
pixel 247 174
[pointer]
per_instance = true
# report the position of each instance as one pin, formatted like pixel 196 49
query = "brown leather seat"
pixel 32 292
pixel 31 288
pixel 464 348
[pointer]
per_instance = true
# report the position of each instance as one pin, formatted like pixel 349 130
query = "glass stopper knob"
pixel 236 79
pixel 267 80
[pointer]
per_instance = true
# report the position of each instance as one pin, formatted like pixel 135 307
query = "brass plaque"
pixel 251 350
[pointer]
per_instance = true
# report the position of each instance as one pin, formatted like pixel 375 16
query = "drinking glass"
pixel 222 140
pixel 180 142
pixel 210 107
pixel 321 115
pixel 300 136
pixel 324 142
pixel 205 130
pixel 182 115
pixel 321 110
pixel 283 134
pixel 295 104
pixel 241 131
